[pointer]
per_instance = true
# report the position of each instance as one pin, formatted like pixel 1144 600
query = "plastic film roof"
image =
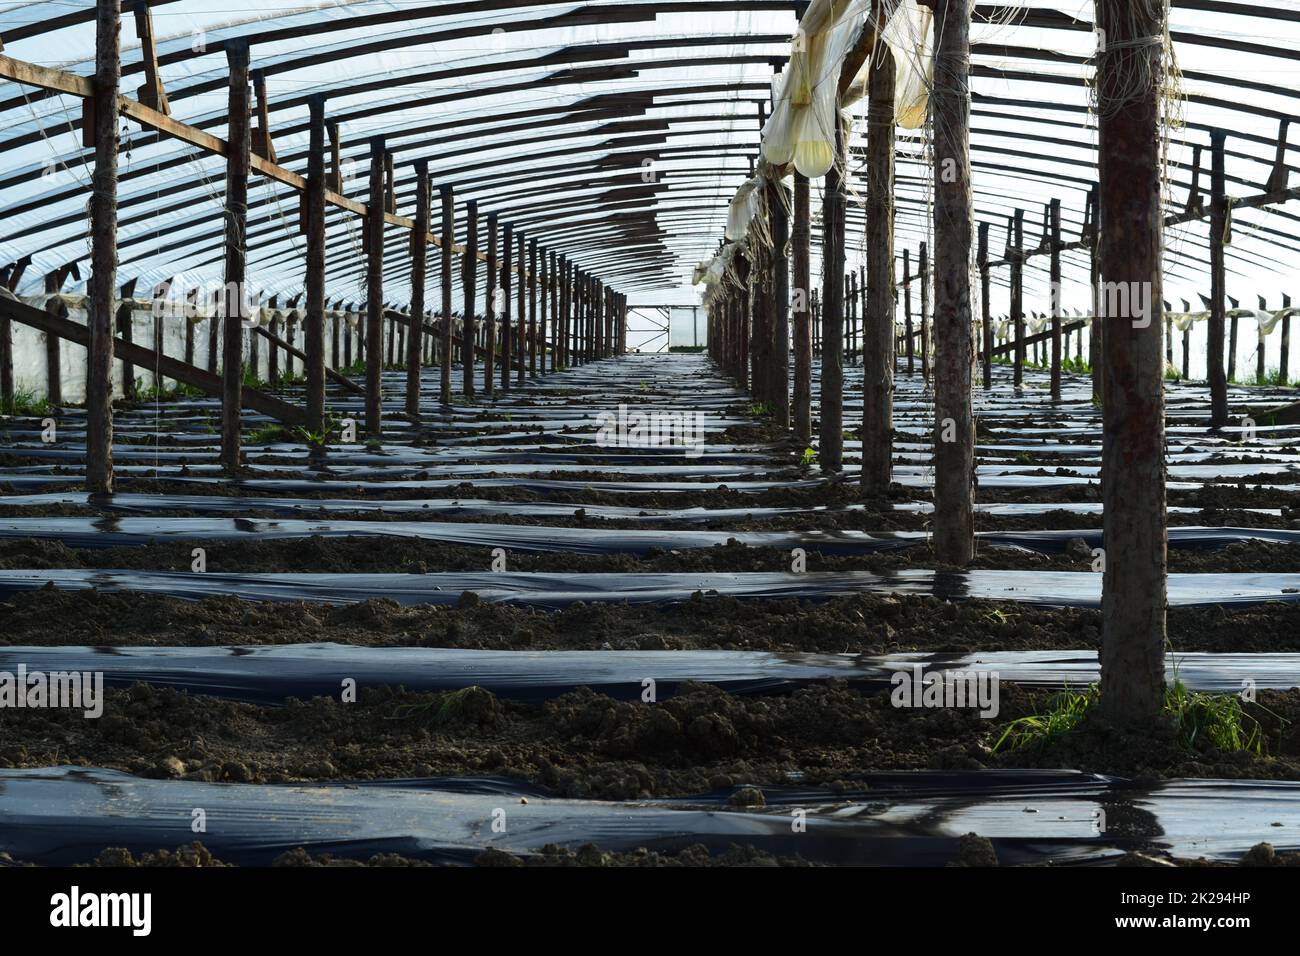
pixel 615 133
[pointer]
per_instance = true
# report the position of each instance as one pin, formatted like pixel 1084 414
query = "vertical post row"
pixel 490 313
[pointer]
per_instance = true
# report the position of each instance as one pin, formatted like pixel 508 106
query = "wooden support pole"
pixel 532 308
pixel 448 243
pixel 923 265
pixel 1187 354
pixel 801 252
pixel 831 451
pixel 1016 255
pixel 490 312
pixel 335 181
pixel 53 358
pixel 151 94
pixel 521 322
pixel 1232 348
pixel 1216 378
pixel 375 289
pixel 1054 280
pixel 986 307
pixel 469 284
pixel 507 253
pixel 1284 364
pixel 954 429
pixel 909 331
pixel 233 301
pixel 1129 84
pixel 878 306
pixel 554 287
pixel 547 265
pixel 760 300
pixel 419 282
pixel 1096 330
pixel 103 254
pixel 314 344
pixel 778 203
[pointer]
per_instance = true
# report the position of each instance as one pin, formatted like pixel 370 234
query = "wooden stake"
pixel 233 301
pixel 103 254
pixel 469 283
pixel 490 313
pixel 1133 451
pixel 314 321
pixel 522 321
pixel 448 244
pixel 832 382
pixel 954 430
pixel 1016 255
pixel 778 200
pixel 507 253
pixel 1218 382
pixel 532 308
pixel 375 289
pixel 878 305
pixel 986 304
pixel 909 331
pixel 1055 293
pixel 419 277
pixel 801 251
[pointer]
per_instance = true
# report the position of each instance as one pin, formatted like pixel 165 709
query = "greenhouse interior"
pixel 694 434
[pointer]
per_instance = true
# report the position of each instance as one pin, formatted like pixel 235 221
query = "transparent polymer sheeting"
pixel 671 96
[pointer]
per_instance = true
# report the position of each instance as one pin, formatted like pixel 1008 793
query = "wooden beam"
pixel 152 93
pixel 262 144
pixel 469 285
pixel 336 377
